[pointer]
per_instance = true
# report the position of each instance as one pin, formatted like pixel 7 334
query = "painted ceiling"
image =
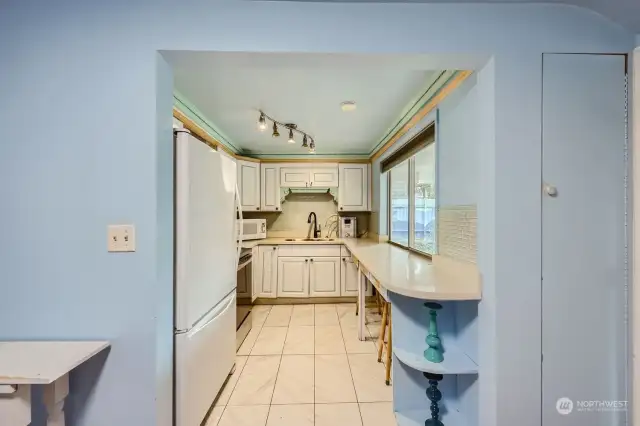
pixel 228 90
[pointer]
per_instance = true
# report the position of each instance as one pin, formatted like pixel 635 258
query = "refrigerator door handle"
pixel 231 302
pixel 240 225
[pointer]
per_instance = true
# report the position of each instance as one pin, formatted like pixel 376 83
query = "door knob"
pixel 550 190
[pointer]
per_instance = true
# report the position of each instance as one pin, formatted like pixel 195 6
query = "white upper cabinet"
pixel 353 188
pixel 249 185
pixel 324 178
pixel 270 188
pixel 294 177
pixel 303 176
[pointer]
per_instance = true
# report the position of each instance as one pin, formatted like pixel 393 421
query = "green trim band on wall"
pixel 191 111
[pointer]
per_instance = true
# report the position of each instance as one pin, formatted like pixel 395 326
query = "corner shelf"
pixel 455 361
pixel 417 418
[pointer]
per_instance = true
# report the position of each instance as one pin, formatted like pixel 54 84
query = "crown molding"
pixel 435 99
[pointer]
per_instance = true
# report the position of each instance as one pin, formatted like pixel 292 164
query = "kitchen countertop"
pixel 278 241
pixel 412 275
pixel 404 272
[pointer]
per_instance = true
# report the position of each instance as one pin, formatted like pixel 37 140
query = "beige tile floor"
pixel 303 365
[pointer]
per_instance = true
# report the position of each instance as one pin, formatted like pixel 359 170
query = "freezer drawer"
pixel 204 357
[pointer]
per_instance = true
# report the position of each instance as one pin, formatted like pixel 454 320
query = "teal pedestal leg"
pixel 434 352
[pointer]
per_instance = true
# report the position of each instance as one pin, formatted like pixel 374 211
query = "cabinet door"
pixel 270 188
pixel 293 277
pixel 249 185
pixel 324 276
pixel 348 277
pixel 292 177
pixel 324 178
pixel 268 265
pixel 353 191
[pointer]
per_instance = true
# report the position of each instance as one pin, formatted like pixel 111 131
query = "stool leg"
pixel 389 346
pixel 383 328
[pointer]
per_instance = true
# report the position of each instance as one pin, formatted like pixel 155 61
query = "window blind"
pixel 415 144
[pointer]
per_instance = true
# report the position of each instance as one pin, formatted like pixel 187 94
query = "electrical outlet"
pixel 121 238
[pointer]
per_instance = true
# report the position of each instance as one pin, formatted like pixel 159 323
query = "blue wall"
pixel 86 143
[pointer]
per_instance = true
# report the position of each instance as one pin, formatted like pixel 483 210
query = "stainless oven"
pixel 243 289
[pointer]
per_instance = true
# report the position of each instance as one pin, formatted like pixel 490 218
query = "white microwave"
pixel 253 229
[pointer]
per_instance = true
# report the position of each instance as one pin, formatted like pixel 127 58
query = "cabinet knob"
pixel 344 260
pixel 312 260
pixel 306 260
pixel 257 208
pixel 341 208
pixel 550 190
pixel 306 184
pixel 274 247
pixel 276 208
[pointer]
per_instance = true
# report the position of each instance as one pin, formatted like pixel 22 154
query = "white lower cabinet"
pixel 266 271
pixel 348 277
pixel 293 276
pixel 324 276
pixel 244 283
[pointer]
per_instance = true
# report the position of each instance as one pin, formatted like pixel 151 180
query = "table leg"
pixel 15 405
pixel 362 288
pixel 54 396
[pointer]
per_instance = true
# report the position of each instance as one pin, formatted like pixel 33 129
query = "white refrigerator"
pixel 206 255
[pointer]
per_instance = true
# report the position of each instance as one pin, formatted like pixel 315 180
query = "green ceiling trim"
pixel 433 89
pixel 191 111
pixel 307 156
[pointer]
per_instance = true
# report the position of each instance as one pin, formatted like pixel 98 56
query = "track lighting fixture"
pixel 307 140
pixel 262 123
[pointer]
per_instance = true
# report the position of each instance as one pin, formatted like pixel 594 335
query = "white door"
pixel 270 188
pixel 584 310
pixel 324 178
pixel 348 277
pixel 206 246
pixel 268 265
pixel 249 185
pixel 204 358
pixel 294 177
pixel 293 277
pixel 353 192
pixel 324 276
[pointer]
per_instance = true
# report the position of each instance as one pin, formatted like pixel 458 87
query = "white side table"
pixel 23 364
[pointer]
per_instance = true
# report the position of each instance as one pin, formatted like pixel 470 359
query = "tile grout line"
pixel 278 370
pixel 350 372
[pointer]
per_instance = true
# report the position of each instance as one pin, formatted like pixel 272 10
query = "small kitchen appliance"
pixel 348 227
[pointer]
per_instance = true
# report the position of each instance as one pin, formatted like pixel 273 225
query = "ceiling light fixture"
pixel 347 106
pixel 307 139
pixel 262 123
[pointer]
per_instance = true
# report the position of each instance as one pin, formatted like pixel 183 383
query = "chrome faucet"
pixel 316 229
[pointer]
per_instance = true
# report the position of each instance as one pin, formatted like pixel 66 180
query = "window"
pixel 412 193
pixel 399 193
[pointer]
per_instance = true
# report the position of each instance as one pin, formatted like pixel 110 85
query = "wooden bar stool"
pixel 386 322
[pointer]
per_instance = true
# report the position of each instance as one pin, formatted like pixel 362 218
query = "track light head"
pixel 304 141
pixel 312 147
pixel 291 140
pixel 262 123
pixel 275 133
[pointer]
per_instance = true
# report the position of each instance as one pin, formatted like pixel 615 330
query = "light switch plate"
pixel 121 238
